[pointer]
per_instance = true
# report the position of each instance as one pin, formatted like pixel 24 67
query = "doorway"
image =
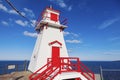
pixel 55 56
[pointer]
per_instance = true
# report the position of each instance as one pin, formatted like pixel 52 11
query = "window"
pixel 54 17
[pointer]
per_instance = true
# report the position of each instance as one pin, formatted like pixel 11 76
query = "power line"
pixel 13 7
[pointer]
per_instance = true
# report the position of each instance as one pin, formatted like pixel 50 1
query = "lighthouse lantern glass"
pixel 54 17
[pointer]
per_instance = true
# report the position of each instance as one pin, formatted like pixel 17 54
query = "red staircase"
pixel 66 64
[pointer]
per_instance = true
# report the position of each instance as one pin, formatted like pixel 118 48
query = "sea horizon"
pixel 80 60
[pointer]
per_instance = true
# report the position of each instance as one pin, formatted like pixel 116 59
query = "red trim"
pixel 77 79
pixel 51 43
pixel 44 11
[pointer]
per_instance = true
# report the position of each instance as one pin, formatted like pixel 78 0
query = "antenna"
pixel 51 6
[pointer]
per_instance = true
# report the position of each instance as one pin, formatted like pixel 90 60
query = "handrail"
pixel 30 77
pixel 55 75
pixel 88 73
pixel 85 69
pixel 41 75
pixel 65 66
pixel 50 72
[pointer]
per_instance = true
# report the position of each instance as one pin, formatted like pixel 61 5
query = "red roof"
pixel 51 43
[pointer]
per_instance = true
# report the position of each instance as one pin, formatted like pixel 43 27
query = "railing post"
pixel 5 69
pixel 101 73
pixel 16 67
pixel 78 64
pixel 25 65
pixel 60 65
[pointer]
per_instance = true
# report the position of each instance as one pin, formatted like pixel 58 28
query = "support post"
pixel 101 73
pixel 25 65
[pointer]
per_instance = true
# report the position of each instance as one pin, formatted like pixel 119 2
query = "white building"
pixel 50 44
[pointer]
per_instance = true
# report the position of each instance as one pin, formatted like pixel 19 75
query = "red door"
pixel 55 56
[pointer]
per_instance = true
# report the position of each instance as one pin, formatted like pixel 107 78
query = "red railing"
pixel 49 74
pixel 32 77
pixel 66 64
pixel 87 72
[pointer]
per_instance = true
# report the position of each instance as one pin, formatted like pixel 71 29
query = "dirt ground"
pixel 23 75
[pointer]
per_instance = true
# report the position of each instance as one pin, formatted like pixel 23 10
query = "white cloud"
pixel 29 12
pixel 73 41
pixel 26 23
pixel 107 53
pixel 62 4
pixel 69 8
pixel 4 8
pixel 22 23
pixel 114 39
pixel 30 34
pixel 108 23
pixel 111 53
pixel 66 33
pixel 13 12
pixel 70 33
pixel 69 50
pixel 75 35
pixel 33 23
pixel 23 13
pixel 4 23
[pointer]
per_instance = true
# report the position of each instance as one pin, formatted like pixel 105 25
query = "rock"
pixel 22 75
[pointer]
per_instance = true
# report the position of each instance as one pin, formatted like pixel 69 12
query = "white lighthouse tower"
pixel 50 42
pixel 50 60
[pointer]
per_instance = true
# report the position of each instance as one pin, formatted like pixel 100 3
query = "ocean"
pixel 17 66
pixel 110 70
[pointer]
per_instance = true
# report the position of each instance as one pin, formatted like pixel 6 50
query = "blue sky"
pixel 93 31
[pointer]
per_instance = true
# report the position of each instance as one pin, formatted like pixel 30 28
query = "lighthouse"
pixel 50 60
pixel 50 42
